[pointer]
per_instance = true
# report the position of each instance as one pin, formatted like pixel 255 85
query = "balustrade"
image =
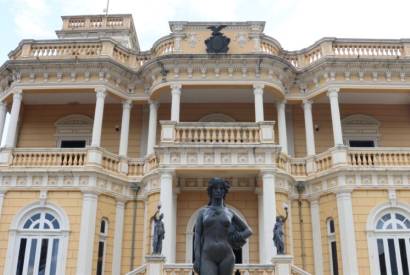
pixel 379 157
pixel 110 162
pixel 136 167
pixel 242 269
pixel 47 157
pixel 368 49
pixel 323 161
pixel 66 50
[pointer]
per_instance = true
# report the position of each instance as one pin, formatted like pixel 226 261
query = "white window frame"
pixel 360 127
pixel 190 234
pixel 331 236
pixel 74 127
pixel 373 234
pixel 16 233
pixel 103 239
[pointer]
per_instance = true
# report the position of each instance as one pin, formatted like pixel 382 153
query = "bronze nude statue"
pixel 159 232
pixel 278 233
pixel 217 232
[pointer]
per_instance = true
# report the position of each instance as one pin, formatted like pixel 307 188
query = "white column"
pixel 347 233
pixel 283 139
pixel 260 224
pixel 168 208
pixel 14 117
pixel 317 237
pixel 2 193
pixel 336 123
pixel 87 233
pixel 258 94
pixel 176 101
pixel 269 215
pixel 119 221
pixel 101 92
pixel 152 126
pixel 310 138
pixel 3 112
pixel 125 128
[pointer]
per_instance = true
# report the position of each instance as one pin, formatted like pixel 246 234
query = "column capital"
pixel 17 94
pixel 153 104
pixel 90 194
pixel 258 87
pixel 175 87
pixel 281 103
pixel 127 104
pixel 167 173
pixel 101 92
pixel 344 193
pixel 307 103
pixel 333 92
pixel 267 172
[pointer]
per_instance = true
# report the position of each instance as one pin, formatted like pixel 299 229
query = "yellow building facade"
pixel 99 133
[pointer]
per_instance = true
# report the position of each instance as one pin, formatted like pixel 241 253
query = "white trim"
pixel 331 238
pixel 317 237
pixel 360 127
pixel 189 235
pixel 216 117
pixel 87 233
pixel 373 234
pixel 73 127
pixel 118 232
pixel 15 233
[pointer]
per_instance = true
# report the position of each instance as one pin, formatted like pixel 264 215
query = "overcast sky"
pixel 296 24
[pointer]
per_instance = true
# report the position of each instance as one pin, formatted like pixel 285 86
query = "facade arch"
pixel 359 128
pixel 75 127
pixel 216 117
pixel 38 240
pixel 189 234
pixel 388 234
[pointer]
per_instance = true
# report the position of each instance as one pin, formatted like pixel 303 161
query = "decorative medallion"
pixel 217 43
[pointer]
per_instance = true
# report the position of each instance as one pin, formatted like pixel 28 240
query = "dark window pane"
pixel 386 217
pixel 49 217
pixel 22 253
pixel 27 224
pixel 37 226
pixel 56 225
pixel 407 223
pixel 382 257
pixel 35 217
pixel 46 226
pixel 53 265
pixel 393 258
pixel 73 144
pixel 400 217
pixel 380 224
pixel 100 258
pixel 403 256
pixel 43 257
pixel 361 143
pixel 102 228
pixel 334 259
pixel 32 257
pixel 331 226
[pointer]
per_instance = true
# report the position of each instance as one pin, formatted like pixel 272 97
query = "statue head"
pixel 217 188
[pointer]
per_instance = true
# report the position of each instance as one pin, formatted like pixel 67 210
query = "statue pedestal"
pixel 283 264
pixel 155 264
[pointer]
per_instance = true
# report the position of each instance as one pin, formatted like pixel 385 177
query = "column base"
pixel 94 156
pixel 155 264
pixel 283 264
pixel 5 157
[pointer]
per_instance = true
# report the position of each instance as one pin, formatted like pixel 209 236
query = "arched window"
pixel 331 236
pixel 73 131
pixel 360 131
pixel 390 242
pixel 102 246
pixel 40 243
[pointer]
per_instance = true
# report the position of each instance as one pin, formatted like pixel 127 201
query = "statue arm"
pixel 198 242
pixel 245 230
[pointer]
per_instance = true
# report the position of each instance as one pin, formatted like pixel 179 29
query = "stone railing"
pixel 242 269
pixel 110 161
pixel 327 47
pixel 298 271
pixel 94 22
pixel 142 270
pixel 372 157
pixel 61 50
pixel 323 161
pixel 48 157
pixel 217 132
pixel 136 167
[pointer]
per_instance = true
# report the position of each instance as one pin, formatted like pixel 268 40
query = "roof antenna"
pixel 106 9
